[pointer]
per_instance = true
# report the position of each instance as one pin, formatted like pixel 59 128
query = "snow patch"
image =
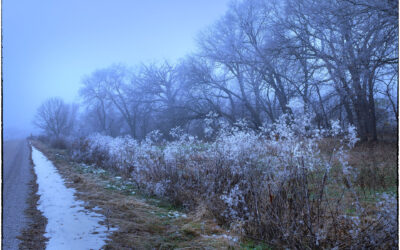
pixel 70 225
pixel 222 236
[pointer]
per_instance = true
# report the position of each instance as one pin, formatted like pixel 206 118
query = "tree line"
pixel 337 59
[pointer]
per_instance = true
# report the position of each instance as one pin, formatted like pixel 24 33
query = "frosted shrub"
pixel 212 125
pixel 275 184
pixel 377 228
pixel 123 154
pixel 184 169
pixel 105 151
pixel 235 202
pixel 92 150
pixel 387 218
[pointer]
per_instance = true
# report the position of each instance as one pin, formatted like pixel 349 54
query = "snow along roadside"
pixel 70 225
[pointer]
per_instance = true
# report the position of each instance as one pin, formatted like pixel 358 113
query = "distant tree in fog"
pixel 112 89
pixel 55 117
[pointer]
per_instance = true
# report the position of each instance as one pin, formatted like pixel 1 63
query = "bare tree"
pixel 100 112
pixel 352 45
pixel 115 86
pixel 163 91
pixel 336 58
pixel 55 118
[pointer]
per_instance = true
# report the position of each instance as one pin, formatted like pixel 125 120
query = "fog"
pixel 130 68
pixel 48 46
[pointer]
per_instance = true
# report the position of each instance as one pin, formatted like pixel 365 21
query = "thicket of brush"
pixel 288 184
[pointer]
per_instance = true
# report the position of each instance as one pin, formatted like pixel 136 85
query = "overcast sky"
pixel 48 46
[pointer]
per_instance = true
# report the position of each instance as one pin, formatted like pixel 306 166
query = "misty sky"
pixel 48 46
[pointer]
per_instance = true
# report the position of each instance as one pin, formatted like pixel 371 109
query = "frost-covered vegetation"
pixel 288 183
pixel 258 126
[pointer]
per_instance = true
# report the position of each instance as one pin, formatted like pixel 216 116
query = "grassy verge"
pixel 143 222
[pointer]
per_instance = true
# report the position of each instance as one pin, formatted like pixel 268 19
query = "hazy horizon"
pixel 49 47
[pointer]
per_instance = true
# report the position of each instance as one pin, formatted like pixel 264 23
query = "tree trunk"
pixel 371 110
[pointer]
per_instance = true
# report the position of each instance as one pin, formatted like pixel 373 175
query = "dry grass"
pixel 141 224
pixel 377 166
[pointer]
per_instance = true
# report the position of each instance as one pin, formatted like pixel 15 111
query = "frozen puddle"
pixel 70 225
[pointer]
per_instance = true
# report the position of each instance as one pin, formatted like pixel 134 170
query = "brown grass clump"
pixel 376 164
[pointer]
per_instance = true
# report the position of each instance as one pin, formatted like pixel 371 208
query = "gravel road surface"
pixel 16 177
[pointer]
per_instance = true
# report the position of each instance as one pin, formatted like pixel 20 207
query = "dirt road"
pixel 16 177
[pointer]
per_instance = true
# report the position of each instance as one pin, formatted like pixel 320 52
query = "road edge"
pixel 32 236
